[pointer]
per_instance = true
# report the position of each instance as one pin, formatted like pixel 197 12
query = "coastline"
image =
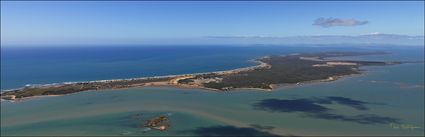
pixel 260 65
pixel 173 80
pixel 180 86
pixel 152 84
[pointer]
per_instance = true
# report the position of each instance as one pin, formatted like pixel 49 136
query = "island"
pixel 160 123
pixel 271 72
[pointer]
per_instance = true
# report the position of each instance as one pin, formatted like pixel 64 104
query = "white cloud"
pixel 332 22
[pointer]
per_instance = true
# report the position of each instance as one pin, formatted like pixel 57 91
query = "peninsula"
pixel 271 72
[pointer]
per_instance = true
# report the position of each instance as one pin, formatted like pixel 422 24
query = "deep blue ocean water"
pixel 43 65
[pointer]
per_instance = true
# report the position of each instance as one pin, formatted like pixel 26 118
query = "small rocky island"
pixel 271 72
pixel 160 123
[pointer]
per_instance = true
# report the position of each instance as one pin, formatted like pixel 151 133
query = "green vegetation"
pixel 186 81
pixel 78 87
pixel 291 69
pixel 280 70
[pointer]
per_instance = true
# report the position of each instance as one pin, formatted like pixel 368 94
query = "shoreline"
pixel 259 65
pixel 173 80
pixel 151 84
pixel 180 86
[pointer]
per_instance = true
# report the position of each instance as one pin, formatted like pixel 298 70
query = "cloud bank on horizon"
pixel 372 39
pixel 368 39
pixel 333 22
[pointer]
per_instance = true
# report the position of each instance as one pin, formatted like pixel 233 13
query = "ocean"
pixel 385 100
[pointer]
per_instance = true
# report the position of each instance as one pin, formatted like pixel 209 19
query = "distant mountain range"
pixel 393 39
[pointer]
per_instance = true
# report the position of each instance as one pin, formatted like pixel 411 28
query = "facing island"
pixel 271 72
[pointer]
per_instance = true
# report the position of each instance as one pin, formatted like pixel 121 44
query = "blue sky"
pixel 138 22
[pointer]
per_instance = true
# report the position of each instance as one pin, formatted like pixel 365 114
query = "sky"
pixel 141 22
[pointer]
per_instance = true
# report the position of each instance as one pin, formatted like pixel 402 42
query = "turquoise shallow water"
pixel 384 101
